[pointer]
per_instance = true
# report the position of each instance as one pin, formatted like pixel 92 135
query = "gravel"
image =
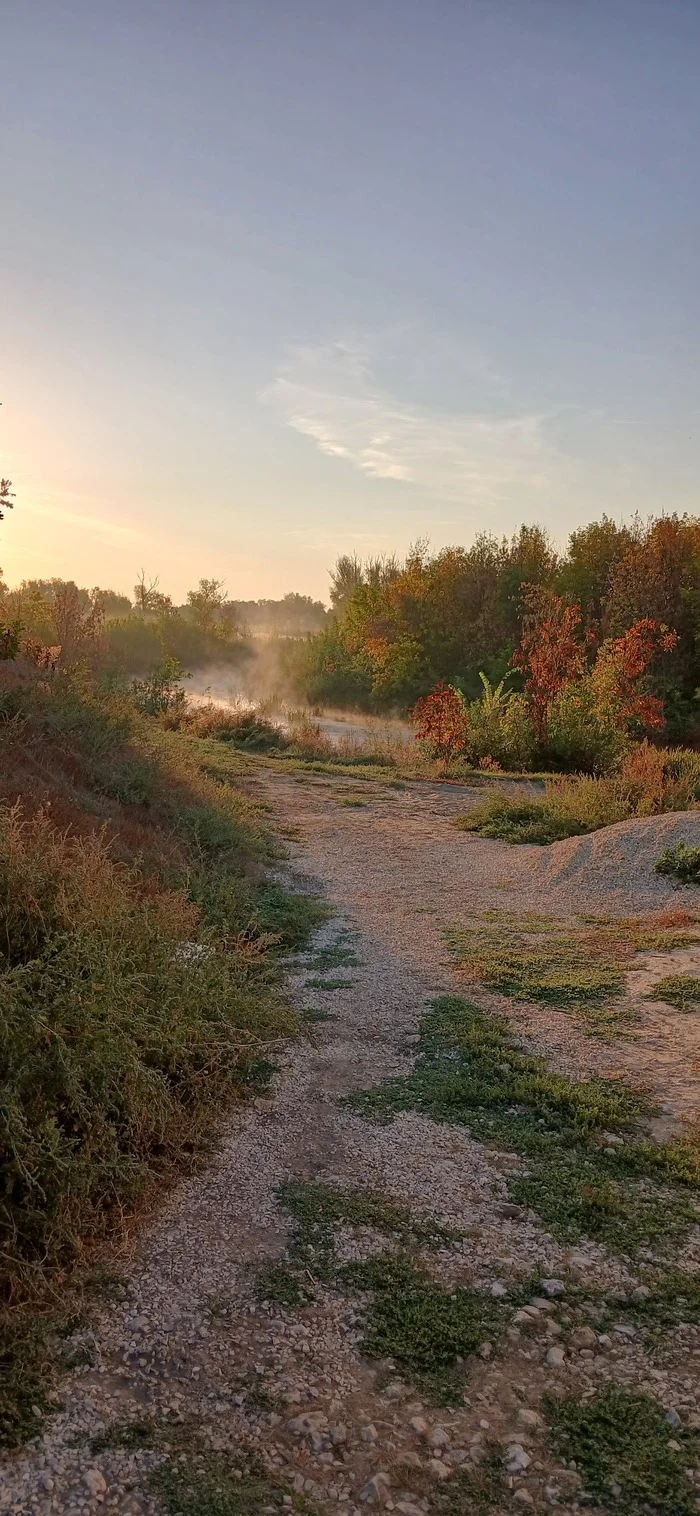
pixel 190 1342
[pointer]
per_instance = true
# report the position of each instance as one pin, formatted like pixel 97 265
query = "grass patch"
pixel 426 1330
pixel 681 990
pixel 681 862
pixel 650 781
pixel 336 955
pixel 472 1071
pixel 279 1284
pixel 211 1485
pixel 481 1492
pixel 579 967
pixel 620 1443
pixel 128 1434
pixel 318 1210
pixel 673 1298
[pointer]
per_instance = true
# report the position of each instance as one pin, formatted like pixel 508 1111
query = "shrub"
pixel 649 781
pixel 681 861
pixel 441 722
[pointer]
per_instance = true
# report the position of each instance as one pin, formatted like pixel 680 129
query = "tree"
pixel 6 497
pixel 111 603
pixel 619 668
pixel 550 653
pixel 346 577
pixel 148 599
pixel 211 611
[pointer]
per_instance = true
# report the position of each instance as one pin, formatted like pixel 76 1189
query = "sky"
pixel 284 280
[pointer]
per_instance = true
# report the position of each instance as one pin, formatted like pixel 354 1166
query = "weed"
pixel 576 967
pixel 336 955
pixel 425 1329
pixel 620 1442
pixel 317 1209
pixel 210 1485
pixel 681 861
pixel 26 1364
pixel 128 1434
pixel 673 1297
pixel 481 1492
pixel 681 990
pixel 503 819
pixel 472 1071
pixel 282 1286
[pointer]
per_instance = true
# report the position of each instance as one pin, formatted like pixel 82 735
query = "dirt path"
pixel 186 1341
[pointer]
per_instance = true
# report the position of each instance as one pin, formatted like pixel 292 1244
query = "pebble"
pixel 376 1490
pixel 555 1357
pixel 517 1460
pixel 553 1287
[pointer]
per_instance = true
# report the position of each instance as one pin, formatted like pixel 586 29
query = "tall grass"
pixel 648 782
pixel 139 987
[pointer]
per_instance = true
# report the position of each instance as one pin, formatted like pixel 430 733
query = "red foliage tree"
pixel 550 653
pixel 622 663
pixel 441 721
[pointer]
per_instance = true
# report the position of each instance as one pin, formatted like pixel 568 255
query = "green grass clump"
pixel 681 862
pixel 681 990
pixel 425 1329
pixel 620 1443
pixel 508 820
pixel 211 1485
pixel 576 966
pixel 559 972
pixel 337 955
pixel 319 1209
pixel 127 1434
pixel 472 1071
pixel 674 1297
pixel 279 1284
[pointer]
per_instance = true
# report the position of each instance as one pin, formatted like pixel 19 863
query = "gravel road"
pixel 182 1337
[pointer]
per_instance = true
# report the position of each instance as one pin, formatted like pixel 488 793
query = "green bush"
pixel 680 861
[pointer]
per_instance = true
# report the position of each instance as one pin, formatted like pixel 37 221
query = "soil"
pixel 186 1340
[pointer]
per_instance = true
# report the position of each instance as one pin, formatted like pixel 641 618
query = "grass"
pixel 281 1286
pixel 473 1072
pixel 337 955
pixel 140 949
pixel 673 1297
pixel 572 967
pixel 649 781
pixel 620 1442
pixel 681 862
pixel 426 1330
pixel 681 990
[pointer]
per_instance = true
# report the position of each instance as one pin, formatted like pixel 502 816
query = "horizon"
pixel 282 285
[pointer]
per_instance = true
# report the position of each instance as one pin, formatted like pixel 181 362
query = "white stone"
pixel 555 1358
pixel 94 1480
pixel 517 1460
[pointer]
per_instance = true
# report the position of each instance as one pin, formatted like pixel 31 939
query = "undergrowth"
pixel 570 966
pixel 681 990
pixel 649 782
pixel 621 1443
pixel 472 1071
pixel 141 988
pixel 680 861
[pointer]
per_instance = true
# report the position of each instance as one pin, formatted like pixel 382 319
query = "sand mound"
pixel 613 869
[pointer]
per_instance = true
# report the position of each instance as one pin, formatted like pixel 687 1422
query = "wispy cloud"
pixel 330 394
pixel 52 508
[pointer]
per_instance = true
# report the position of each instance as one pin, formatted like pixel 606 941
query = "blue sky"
pixel 280 280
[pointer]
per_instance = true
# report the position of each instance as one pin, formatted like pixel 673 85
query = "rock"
pixel 584 1337
pixel 439 1438
pixel 525 1318
pixel 623 1330
pixel 376 1490
pixel 419 1426
pixel 338 1434
pixel 407 1508
pixel 498 1289
pixel 408 1459
pixel 528 1420
pixel 514 1212
pixel 641 1293
pixel 553 1288
pixel 485 1350
pixel 95 1482
pixel 517 1460
pixel 439 1469
pixel 311 1421
pixel 523 1497
pixel 368 1433
pixel 673 1419
pixel 555 1358
pixel 612 1140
